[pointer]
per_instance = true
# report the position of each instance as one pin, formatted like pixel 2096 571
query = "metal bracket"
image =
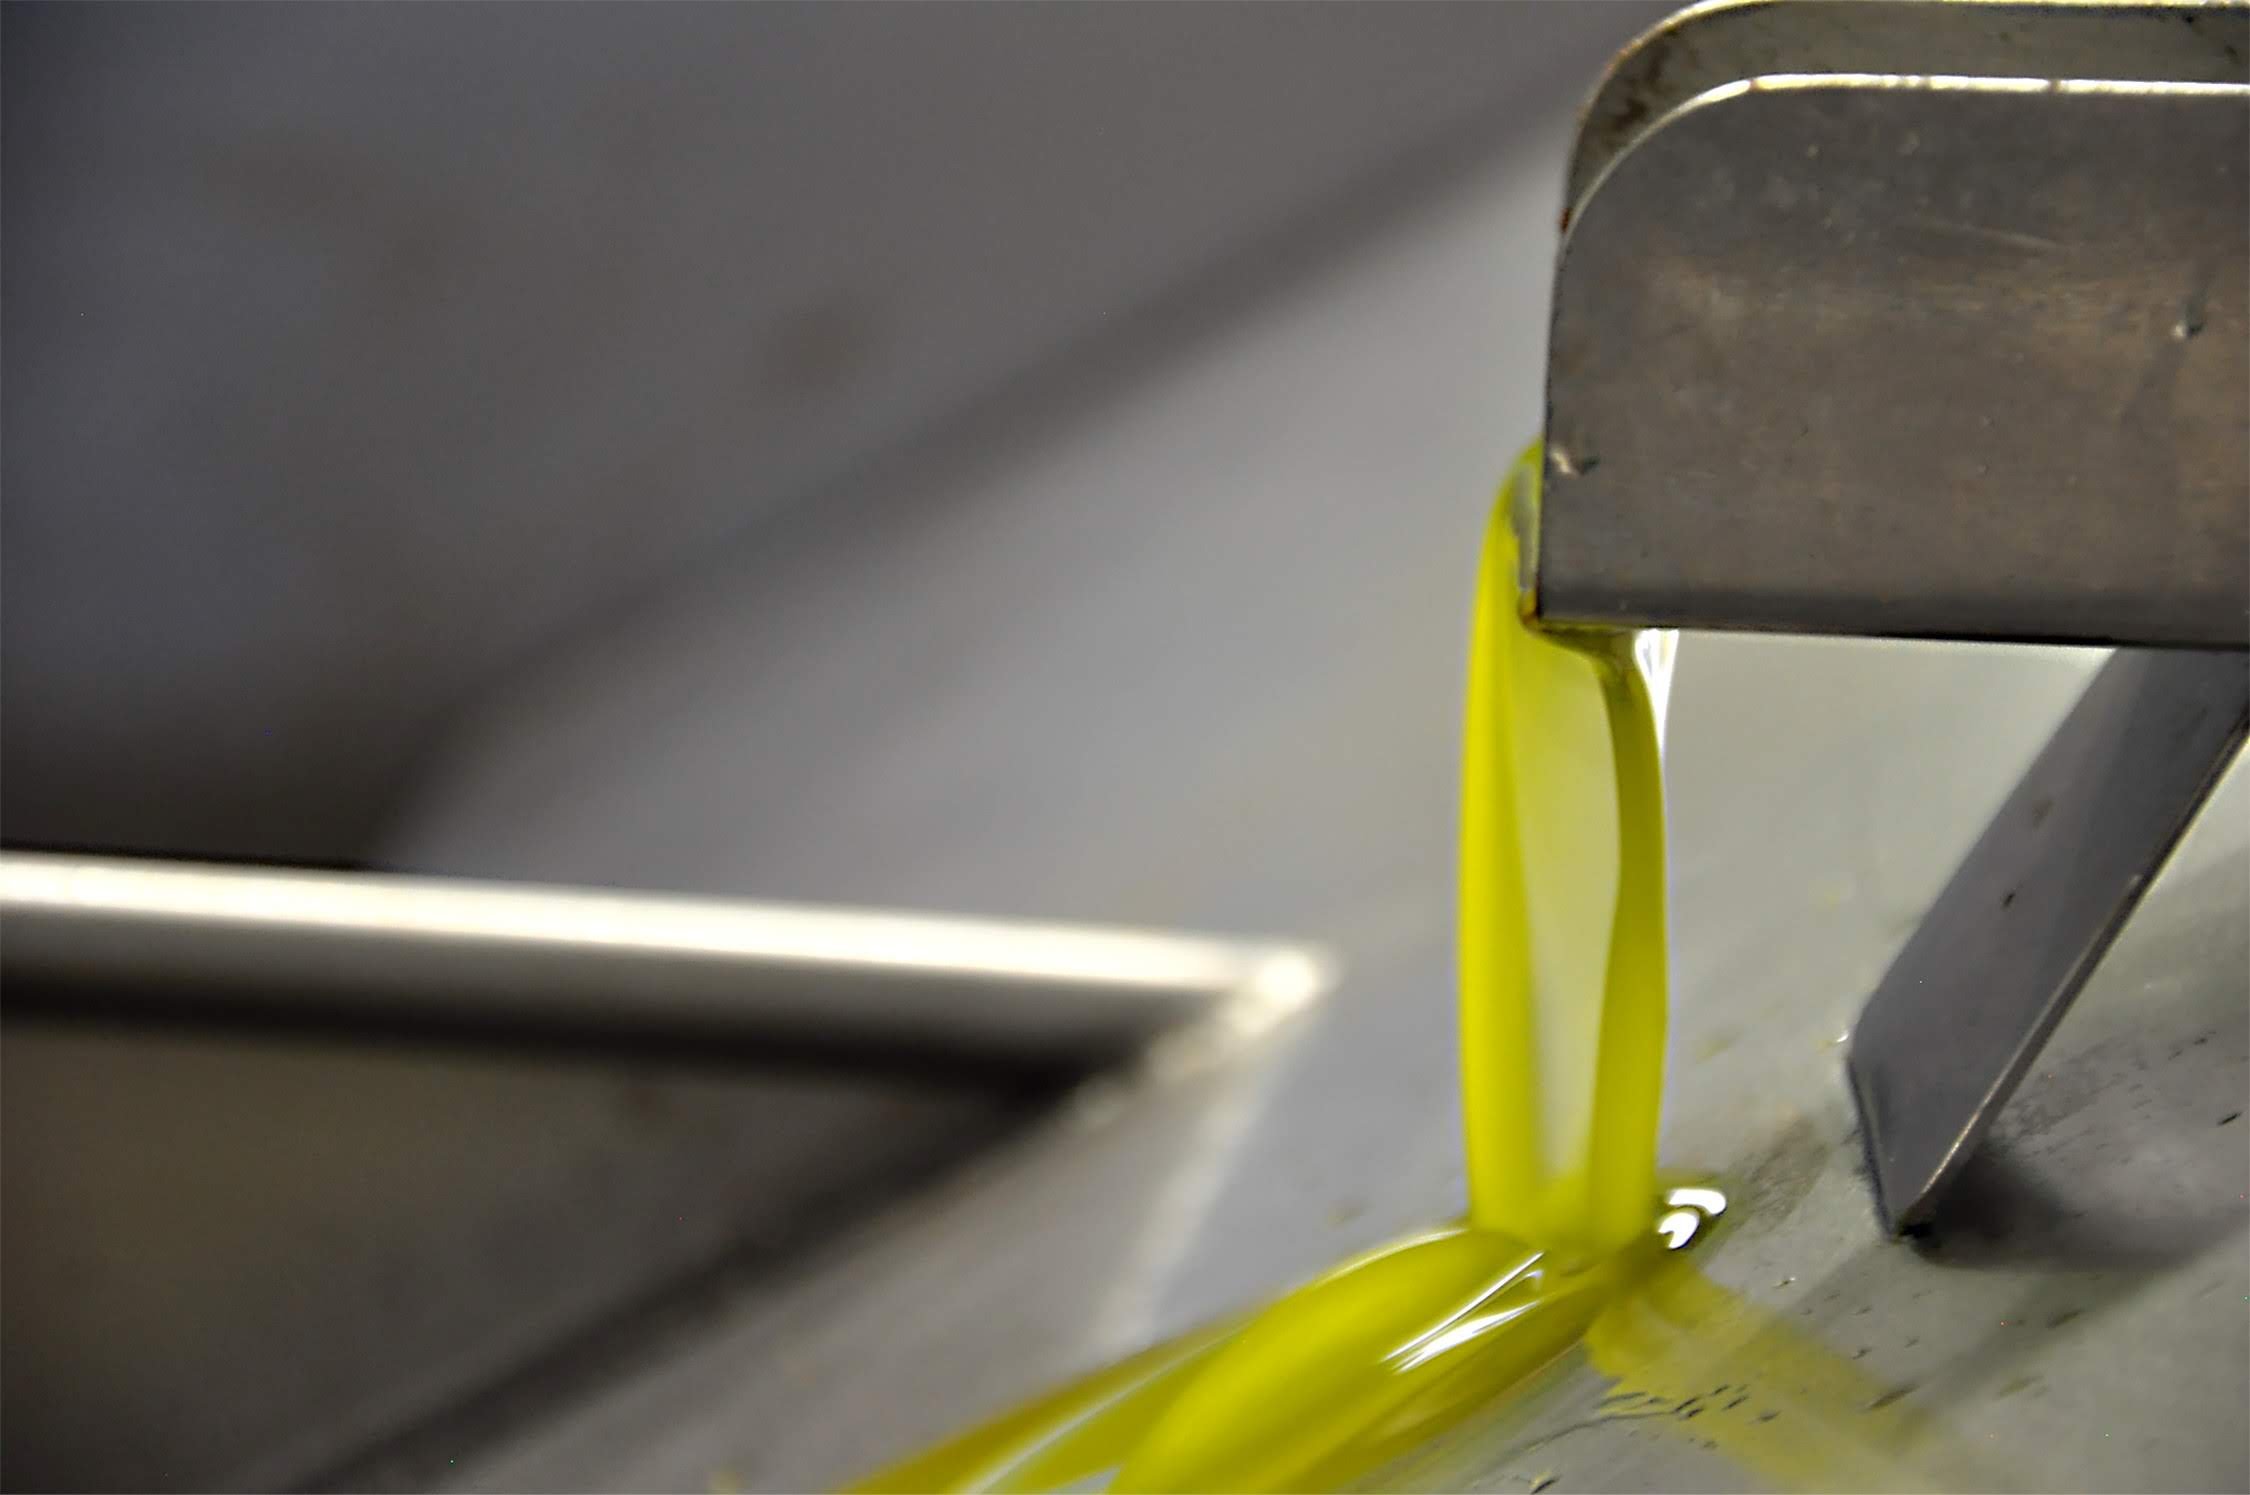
pixel 1905 318
pixel 1994 965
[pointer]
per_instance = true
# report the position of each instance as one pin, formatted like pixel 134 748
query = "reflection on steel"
pixel 1686 1212
pixel 1710 46
pixel 1967 1005
pixel 1910 351
pixel 181 942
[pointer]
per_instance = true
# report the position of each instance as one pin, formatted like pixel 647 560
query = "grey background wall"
pixel 362 359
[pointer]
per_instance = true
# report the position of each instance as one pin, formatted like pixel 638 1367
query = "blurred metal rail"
pixel 181 942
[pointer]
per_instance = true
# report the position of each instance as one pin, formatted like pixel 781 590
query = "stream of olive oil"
pixel 1566 1241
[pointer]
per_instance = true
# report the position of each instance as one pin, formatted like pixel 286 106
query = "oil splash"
pixel 1315 1390
pixel 1562 1005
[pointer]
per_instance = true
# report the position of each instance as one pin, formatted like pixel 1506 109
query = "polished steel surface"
pixel 1965 1009
pixel 185 942
pixel 1910 355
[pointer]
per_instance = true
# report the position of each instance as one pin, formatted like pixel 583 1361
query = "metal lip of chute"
pixel 1898 318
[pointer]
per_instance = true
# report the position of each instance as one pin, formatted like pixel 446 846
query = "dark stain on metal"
pixel 2195 21
pixel 1888 1398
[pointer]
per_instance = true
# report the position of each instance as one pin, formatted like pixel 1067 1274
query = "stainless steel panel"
pixel 1911 356
pixel 235 1261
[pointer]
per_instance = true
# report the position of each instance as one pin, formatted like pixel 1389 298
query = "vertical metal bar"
pixel 1994 965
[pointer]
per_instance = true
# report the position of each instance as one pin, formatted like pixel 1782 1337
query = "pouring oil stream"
pixel 1562 1008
